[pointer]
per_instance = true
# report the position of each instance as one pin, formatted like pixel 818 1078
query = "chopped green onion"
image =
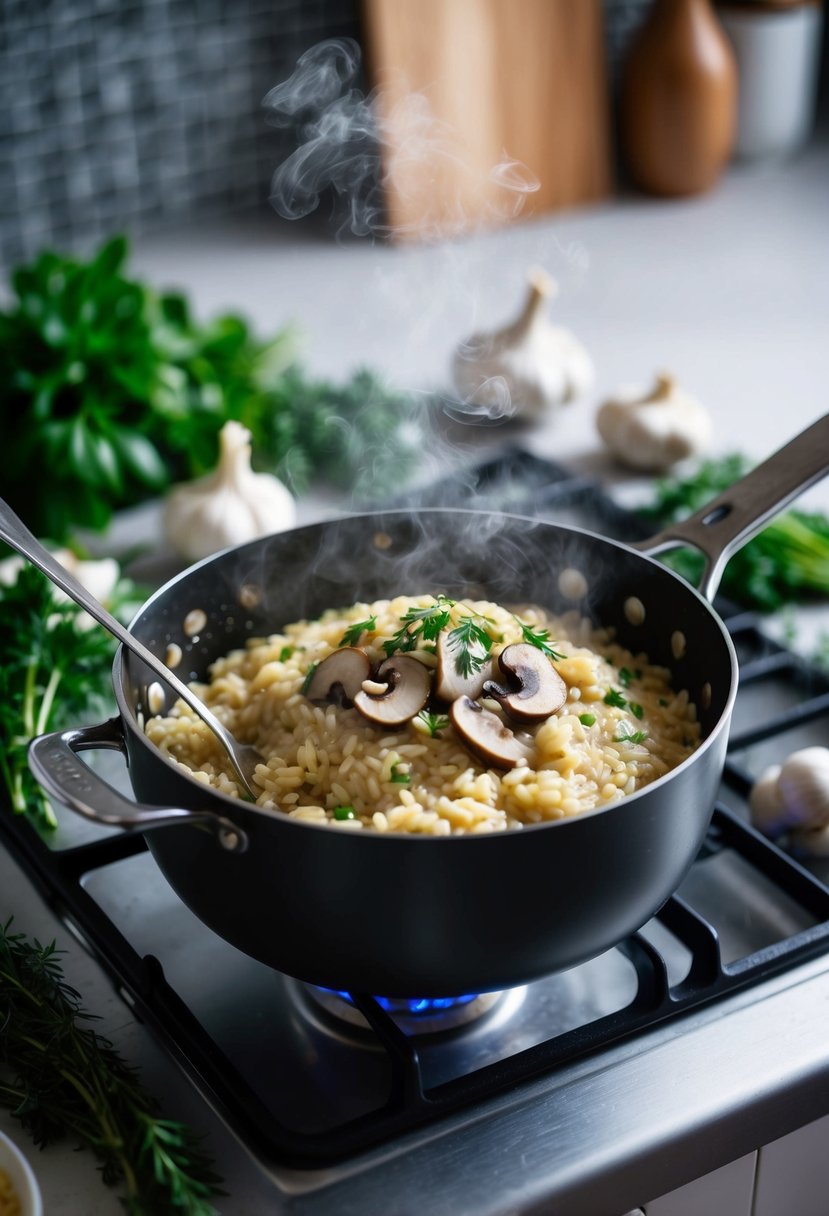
pixel 638 736
pixel 285 653
pixel 636 710
pixel 344 812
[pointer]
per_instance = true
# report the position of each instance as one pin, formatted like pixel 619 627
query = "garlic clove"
pixel 229 506
pixel 652 431
pixel 766 803
pixel 804 787
pixel 524 369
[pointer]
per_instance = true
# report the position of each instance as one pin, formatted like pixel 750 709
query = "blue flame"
pixel 415 1006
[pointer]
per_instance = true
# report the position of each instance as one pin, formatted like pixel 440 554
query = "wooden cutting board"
pixel 466 88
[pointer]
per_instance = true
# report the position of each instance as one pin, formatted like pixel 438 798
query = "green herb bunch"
pixel 57 1075
pixel 111 391
pixel 786 562
pixel 52 670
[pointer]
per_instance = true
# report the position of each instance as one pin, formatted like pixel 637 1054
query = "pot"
pixel 413 916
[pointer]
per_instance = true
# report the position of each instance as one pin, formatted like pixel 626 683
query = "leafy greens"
pixel 787 561
pixel 113 391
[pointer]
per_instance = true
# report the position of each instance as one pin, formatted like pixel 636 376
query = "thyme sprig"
pixel 59 1073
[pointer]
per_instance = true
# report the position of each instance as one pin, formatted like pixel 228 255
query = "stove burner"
pixel 414 1015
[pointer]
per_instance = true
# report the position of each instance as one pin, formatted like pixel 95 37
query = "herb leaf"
pixel 614 697
pixel 352 635
pixel 435 723
pixel 540 638
pixel 62 1074
pixel 471 644
pixel 638 736
pixel 420 624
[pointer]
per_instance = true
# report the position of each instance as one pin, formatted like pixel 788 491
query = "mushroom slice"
pixel 536 689
pixel 409 684
pixel 340 676
pixel 449 683
pixel 486 735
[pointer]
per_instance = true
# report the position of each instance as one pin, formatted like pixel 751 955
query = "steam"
pixel 367 148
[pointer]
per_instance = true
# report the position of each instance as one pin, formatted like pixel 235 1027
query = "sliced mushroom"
pixel 340 676
pixel 449 683
pixel 486 735
pixel 409 684
pixel 535 689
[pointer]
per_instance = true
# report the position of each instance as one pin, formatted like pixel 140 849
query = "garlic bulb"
pixel 794 797
pixel 653 431
pixel 98 577
pixel 524 369
pixel 229 506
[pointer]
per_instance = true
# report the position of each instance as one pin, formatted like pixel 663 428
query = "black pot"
pixel 400 915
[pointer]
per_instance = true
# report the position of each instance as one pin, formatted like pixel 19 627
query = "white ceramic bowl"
pixel 22 1177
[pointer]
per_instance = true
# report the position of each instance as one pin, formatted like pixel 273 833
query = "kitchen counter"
pixel 731 293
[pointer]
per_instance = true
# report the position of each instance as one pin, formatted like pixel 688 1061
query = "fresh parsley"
pixel 637 736
pixel 61 1076
pixel 420 624
pixel 470 644
pixel 636 709
pixel 787 562
pixel 398 777
pixel 352 635
pixel 435 723
pixel 540 638
pixel 117 390
pixel 614 697
pixel 625 676
pixel 306 683
pixel 53 670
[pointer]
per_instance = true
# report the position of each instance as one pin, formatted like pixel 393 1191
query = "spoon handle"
pixel 16 534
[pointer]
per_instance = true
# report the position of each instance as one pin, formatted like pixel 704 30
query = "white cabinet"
pixel 724 1192
pixel 793 1174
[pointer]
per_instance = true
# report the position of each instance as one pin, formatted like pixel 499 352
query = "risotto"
pixel 481 749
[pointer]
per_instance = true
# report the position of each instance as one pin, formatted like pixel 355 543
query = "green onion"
pixel 344 812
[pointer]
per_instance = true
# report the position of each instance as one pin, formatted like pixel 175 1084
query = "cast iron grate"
pixel 525 485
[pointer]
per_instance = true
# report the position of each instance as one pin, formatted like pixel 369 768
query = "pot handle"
pixel 724 525
pixel 53 760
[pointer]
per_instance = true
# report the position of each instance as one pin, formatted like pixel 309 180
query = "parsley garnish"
pixel 435 723
pixel 419 625
pixel 625 676
pixel 636 710
pixel 540 638
pixel 638 736
pixel 354 632
pixel 615 698
pixel 309 675
pixel 398 778
pixel 471 644
pixel 285 653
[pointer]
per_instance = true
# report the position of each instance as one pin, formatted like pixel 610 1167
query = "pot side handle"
pixel 53 760
pixel 724 525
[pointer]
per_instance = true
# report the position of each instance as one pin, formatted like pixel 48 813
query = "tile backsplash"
pixel 123 114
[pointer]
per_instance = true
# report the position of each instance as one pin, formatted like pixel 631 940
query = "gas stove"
pixel 343 1090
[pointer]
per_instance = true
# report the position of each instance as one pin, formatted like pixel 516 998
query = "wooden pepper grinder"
pixel 679 99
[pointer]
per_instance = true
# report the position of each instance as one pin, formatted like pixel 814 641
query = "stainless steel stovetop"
pixel 701 1031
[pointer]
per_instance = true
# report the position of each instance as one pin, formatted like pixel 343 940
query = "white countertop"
pixel 729 291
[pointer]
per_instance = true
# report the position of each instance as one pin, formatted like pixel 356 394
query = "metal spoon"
pixel 243 756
